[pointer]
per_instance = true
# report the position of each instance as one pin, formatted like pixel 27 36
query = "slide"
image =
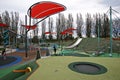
pixel 75 44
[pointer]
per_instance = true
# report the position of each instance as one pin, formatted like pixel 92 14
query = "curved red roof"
pixel 44 9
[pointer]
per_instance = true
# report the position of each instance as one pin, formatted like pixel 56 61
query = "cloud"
pixel 73 6
pixel 114 3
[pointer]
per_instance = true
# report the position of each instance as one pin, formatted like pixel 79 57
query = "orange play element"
pixel 28 69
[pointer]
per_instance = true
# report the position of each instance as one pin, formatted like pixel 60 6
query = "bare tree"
pixel 6 18
pixel 14 26
pixel 35 31
pixel 79 23
pixel 116 27
pixel 43 29
pixel 1 31
pixel 50 25
pixel 93 28
pixel 21 28
pixel 106 26
pixel 88 24
pixel 60 25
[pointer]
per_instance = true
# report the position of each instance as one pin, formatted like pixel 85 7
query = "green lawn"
pixel 56 68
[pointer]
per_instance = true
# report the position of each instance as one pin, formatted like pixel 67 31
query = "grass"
pixel 56 68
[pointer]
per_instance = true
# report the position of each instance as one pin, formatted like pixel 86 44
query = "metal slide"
pixel 75 44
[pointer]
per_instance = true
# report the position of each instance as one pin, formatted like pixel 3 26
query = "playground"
pixel 58 59
pixel 55 66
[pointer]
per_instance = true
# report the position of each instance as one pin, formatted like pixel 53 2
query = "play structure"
pixel 28 69
pixel 57 68
pixel 75 44
pixel 40 10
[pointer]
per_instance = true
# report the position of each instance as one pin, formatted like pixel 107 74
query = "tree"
pixel 88 24
pixel 36 30
pixel 6 20
pixel 50 25
pixel 12 21
pixel 43 29
pixel 79 23
pixel 106 26
pixel 96 24
pixel 60 25
pixel 93 28
pixel 14 26
pixel 1 31
pixel 70 23
pixel 116 27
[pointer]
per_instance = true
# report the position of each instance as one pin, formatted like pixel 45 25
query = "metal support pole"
pixel 110 31
pixel 26 48
pixel 99 34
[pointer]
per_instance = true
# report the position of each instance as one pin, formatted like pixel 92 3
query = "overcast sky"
pixel 73 6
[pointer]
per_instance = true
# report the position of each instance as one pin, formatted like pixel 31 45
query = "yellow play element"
pixel 28 69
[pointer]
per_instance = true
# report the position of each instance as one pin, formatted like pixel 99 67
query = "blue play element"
pixel 10 60
pixel 6 37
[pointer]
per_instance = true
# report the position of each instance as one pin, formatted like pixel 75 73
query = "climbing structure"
pixel 6 37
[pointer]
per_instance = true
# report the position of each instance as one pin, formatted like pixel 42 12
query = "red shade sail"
pixel 70 32
pixel 47 32
pixel 50 32
pixel 44 9
pixel 3 25
pixel 29 27
pixel 63 33
pixel 70 29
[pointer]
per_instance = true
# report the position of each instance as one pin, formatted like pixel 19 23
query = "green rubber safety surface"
pixel 56 68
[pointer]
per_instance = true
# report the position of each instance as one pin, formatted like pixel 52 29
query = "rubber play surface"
pixel 56 68
pixel 9 61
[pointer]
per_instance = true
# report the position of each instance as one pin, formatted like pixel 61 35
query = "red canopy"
pixel 63 33
pixel 70 32
pixel 3 25
pixel 44 9
pixel 29 27
pixel 70 29
pixel 47 32
pixel 50 32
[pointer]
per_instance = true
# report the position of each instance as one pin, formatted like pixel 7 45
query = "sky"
pixel 73 6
